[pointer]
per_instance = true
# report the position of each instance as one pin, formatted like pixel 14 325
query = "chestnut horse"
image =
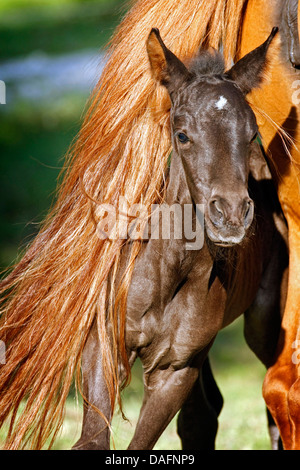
pixel 52 296
pixel 282 383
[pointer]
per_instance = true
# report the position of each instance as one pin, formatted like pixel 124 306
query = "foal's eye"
pixel 183 139
pixel 254 137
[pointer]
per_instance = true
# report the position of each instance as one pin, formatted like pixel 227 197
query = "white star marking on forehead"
pixel 222 101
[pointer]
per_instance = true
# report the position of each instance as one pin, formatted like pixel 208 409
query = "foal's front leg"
pixel 165 392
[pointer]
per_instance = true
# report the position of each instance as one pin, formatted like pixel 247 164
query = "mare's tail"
pixel 51 297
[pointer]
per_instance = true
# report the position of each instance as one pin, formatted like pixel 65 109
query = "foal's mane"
pixel 207 62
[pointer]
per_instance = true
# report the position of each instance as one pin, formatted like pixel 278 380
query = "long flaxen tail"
pixel 52 296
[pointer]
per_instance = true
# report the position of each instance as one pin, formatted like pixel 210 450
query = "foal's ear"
pixel 248 72
pixel 166 68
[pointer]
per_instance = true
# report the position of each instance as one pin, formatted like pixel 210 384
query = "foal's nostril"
pixel 248 212
pixel 216 212
pixel 223 212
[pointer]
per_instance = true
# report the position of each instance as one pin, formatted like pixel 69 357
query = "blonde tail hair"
pixel 52 296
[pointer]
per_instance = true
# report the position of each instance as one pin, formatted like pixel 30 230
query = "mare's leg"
pixel 198 418
pixel 97 411
pixel 294 407
pixel 281 388
pixel 282 384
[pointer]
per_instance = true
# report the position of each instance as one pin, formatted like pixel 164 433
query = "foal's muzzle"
pixel 228 220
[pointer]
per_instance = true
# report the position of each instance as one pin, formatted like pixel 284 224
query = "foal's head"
pixel 213 128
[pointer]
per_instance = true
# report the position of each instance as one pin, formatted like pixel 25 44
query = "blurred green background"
pixel 50 56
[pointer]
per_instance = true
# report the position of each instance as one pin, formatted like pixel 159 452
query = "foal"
pixel 179 298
